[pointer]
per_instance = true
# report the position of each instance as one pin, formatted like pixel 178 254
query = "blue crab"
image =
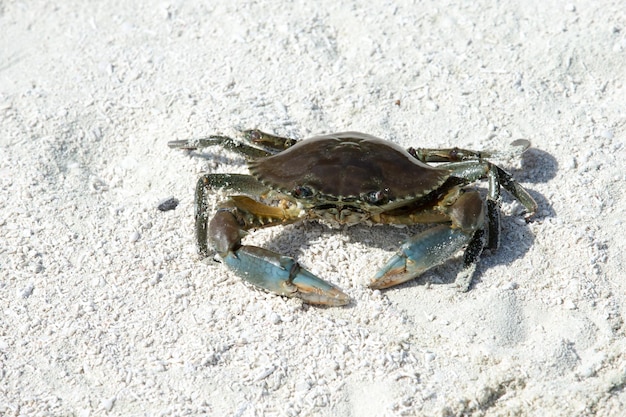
pixel 350 178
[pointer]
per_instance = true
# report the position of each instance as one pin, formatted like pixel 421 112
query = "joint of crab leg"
pixel 506 180
pixel 225 232
pixel 283 275
pixel 267 141
pixel 420 253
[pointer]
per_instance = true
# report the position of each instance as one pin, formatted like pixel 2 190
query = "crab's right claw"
pixel 283 275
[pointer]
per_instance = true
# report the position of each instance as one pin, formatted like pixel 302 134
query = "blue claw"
pixel 283 275
pixel 420 253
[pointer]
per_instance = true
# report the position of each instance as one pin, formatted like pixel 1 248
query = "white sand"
pixel 107 309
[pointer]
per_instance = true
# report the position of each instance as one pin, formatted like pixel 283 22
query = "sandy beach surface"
pixel 107 309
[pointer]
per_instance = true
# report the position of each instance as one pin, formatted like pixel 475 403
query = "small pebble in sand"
pixel 167 204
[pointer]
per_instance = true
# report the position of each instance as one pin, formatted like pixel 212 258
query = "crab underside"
pixel 349 178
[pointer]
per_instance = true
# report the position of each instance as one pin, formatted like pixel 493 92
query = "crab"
pixel 349 178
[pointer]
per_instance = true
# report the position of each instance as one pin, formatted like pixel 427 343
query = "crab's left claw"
pixel 420 253
pixel 283 275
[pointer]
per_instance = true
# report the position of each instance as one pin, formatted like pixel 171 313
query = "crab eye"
pixel 301 191
pixel 376 197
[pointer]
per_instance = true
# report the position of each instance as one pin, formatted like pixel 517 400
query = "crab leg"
pixel 265 144
pixel 516 148
pixel 475 167
pixel 223 141
pixel 270 143
pixel 471 171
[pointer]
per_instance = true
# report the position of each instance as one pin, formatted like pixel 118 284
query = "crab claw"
pixel 283 275
pixel 418 254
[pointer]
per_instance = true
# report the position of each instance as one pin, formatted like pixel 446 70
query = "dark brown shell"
pixel 348 164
